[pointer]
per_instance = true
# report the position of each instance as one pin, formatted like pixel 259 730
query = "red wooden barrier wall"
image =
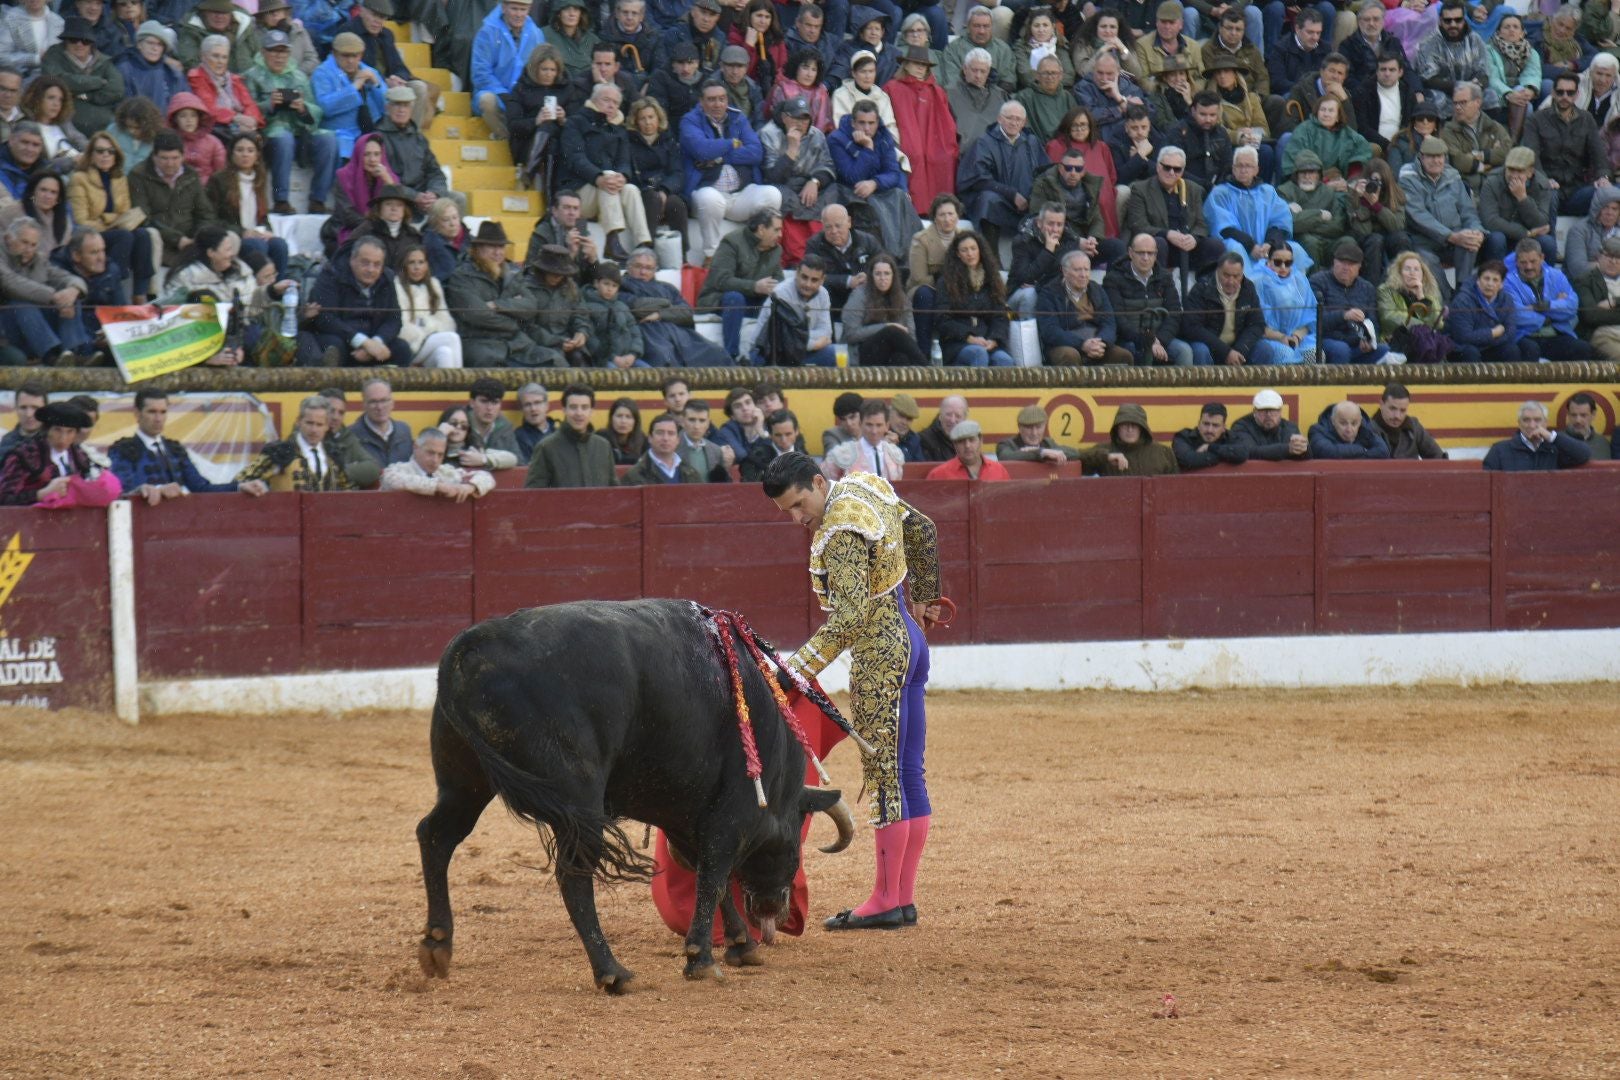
pixel 231 586
pixel 56 622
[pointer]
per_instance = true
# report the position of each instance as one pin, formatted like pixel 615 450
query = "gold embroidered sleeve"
pixel 922 555
pixel 260 468
pixel 846 559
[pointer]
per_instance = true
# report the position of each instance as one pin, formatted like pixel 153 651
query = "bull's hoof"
pixel 704 967
pixel 616 981
pixel 744 955
pixel 433 954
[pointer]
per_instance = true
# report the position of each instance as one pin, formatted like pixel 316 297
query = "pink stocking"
pixel 890 842
pixel 914 850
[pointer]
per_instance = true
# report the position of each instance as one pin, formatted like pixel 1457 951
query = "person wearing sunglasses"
pixel 1289 308
pixel 1570 147
pixel 1171 208
pixel 1454 54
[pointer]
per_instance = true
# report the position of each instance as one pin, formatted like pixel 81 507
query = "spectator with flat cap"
pixel 505 40
pixel 410 154
pixel 903 413
pixel 1268 436
pixel 349 92
pixel 150 69
pixel 744 94
pixel 44 464
pixel 370 25
pixel 799 163
pixel 292 124
pixel 700 28
pixel 1210 443
pixel 1441 215
pixel 493 305
pixel 1517 201
pixel 1032 442
pixel 92 78
pixel 224 18
pixel 278 15
pixel 1349 302
pixel 967 460
pixel 359 320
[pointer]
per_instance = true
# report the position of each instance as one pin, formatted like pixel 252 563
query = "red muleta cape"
pixel 674 888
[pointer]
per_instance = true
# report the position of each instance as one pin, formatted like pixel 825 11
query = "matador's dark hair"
pixel 791 470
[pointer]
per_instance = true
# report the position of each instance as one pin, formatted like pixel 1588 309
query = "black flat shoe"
pixel 908 914
pixel 883 920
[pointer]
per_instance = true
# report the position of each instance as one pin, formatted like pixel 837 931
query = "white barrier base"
pixel 1286 663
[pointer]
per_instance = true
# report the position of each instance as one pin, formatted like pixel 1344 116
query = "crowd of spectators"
pixel 458 456
pixel 1019 183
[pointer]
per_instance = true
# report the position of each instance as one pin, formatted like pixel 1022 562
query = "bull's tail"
pixel 576 839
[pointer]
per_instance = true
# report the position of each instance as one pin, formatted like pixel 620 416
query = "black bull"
pixel 580 715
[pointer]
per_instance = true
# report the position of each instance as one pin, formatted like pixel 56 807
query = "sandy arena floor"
pixel 1410 884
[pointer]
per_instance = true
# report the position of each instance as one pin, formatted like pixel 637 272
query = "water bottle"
pixel 289 312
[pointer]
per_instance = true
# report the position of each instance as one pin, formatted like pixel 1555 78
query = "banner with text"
pixel 147 341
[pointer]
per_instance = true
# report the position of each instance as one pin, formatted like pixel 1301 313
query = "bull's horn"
pixel 839 812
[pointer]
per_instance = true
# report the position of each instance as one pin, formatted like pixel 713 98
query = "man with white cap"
pixel 1268 436
pixel 969 462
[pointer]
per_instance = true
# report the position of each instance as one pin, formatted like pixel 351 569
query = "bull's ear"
pixel 815 800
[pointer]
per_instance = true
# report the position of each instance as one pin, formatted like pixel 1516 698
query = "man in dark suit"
pixel 151 467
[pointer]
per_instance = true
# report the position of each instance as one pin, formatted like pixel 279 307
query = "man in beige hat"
pixel 1031 443
pixel 1167 40
pixel 370 25
pixel 903 413
pixel 1441 216
pixel 349 92
pixel 969 462
pixel 1517 201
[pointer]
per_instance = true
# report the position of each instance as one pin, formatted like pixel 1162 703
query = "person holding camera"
pixel 292 124
pixel 1377 216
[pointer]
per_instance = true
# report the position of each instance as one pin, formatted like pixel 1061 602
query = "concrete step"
pixel 486 202
pixel 445 126
pixel 416 54
pixel 480 177
pixel 403 33
pixel 470 151
pixel 455 102
pixel 437 76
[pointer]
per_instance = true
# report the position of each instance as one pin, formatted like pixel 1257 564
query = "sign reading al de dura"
pixel 55 636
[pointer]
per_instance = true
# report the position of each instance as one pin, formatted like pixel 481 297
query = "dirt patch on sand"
pixel 1417 883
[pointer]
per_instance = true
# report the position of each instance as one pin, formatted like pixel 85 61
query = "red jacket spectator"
pixel 202 84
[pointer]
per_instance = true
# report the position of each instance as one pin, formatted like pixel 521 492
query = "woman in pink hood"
pixel 188 116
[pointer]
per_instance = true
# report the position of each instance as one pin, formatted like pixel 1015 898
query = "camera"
pixel 1374 184
pixel 290 96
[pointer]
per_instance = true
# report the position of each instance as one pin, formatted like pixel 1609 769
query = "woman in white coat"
pixel 426 324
